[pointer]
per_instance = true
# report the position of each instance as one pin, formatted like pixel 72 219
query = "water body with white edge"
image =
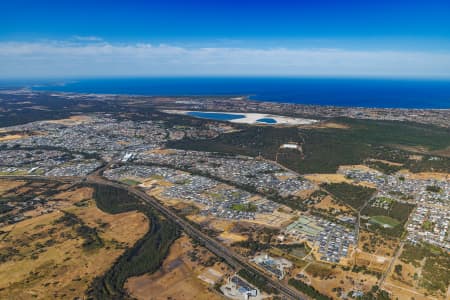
pixel 245 118
pixel 215 116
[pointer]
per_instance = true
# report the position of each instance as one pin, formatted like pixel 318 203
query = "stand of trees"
pixel 146 256
pixel 90 235
pixel 326 149
pixel 350 194
pixel 257 280
pixel 307 289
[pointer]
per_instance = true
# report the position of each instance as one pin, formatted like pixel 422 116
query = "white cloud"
pixel 87 38
pixel 100 58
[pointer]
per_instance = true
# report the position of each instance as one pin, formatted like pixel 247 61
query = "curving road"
pixel 234 259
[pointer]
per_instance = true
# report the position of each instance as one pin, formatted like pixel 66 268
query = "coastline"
pixel 241 104
pixel 337 92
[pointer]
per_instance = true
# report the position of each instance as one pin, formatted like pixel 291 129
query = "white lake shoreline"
pixel 249 118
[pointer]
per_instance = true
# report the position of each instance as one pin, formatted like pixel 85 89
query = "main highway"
pixel 237 261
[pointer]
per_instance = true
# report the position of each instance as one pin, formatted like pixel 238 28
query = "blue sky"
pixel 307 38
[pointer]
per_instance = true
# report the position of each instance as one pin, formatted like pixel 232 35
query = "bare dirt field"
pixel 372 261
pixel 7 185
pixel 423 150
pixel 428 175
pixel 178 279
pixel 376 244
pixel 442 152
pixel 227 236
pixel 327 178
pixel 325 279
pixel 332 125
pixel 404 292
pixel 415 157
pixel 328 202
pixel 357 167
pixel 224 227
pixel 277 219
pixel 406 282
pixel 73 120
pixel 46 258
pixel 404 285
pixel 387 162
pixel 80 194
pixel 11 137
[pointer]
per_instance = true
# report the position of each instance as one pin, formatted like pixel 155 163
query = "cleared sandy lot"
pixel 45 257
pixel 178 279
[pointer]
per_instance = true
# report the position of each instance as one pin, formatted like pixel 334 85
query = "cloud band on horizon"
pixel 99 58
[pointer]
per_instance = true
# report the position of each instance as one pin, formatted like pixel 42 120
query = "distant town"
pixel 275 222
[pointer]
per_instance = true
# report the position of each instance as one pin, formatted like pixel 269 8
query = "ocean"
pixel 389 93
